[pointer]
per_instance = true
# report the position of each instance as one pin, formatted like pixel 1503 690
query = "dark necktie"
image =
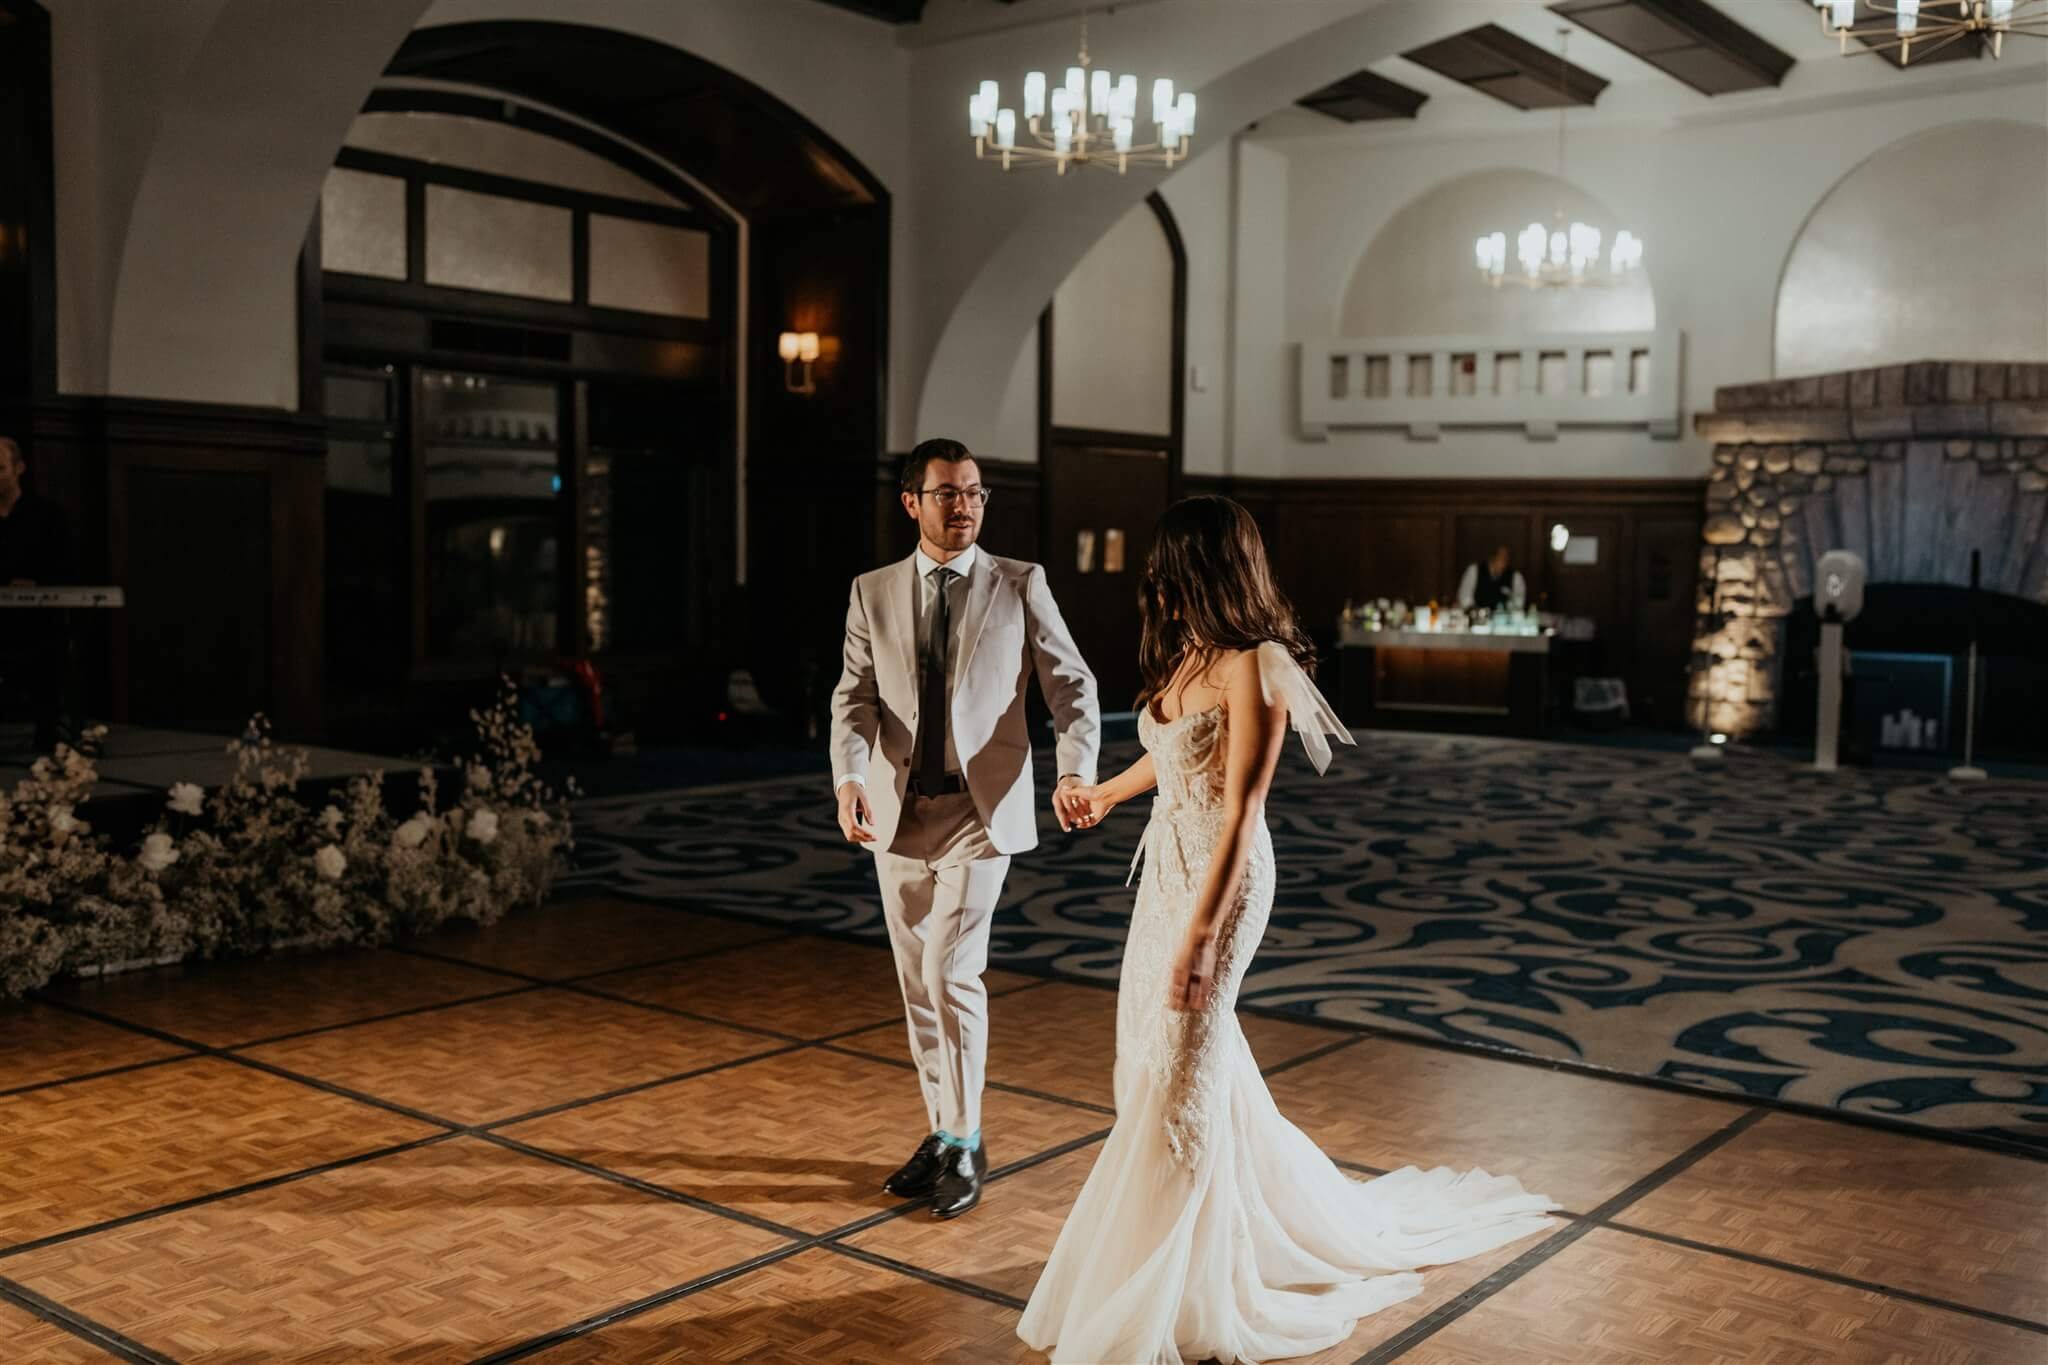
pixel 931 701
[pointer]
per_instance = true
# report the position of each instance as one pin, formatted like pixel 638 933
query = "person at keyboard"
pixel 35 550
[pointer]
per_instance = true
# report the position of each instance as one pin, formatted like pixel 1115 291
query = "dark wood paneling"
pixel 1104 487
pixel 210 518
pixel 1336 539
pixel 194 553
pixel 28 260
pixel 1662 626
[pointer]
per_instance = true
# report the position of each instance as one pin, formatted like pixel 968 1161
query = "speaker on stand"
pixel 1967 770
pixel 1837 598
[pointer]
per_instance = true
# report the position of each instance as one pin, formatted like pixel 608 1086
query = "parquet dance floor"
pixel 624 1132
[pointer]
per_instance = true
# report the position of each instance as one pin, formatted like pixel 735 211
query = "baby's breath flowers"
pixel 252 867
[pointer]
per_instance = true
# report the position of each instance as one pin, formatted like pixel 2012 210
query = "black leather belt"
pixel 952 785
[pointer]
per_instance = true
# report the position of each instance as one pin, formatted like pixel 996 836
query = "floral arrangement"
pixel 250 868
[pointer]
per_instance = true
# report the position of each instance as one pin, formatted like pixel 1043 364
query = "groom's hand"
pixel 856 821
pixel 1070 803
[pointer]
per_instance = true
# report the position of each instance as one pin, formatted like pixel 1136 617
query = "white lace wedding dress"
pixel 1211 1226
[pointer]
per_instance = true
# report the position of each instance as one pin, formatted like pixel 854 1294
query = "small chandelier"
pixel 1914 29
pixel 1091 120
pixel 1563 255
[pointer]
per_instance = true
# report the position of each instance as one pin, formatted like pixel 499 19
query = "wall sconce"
pixel 798 351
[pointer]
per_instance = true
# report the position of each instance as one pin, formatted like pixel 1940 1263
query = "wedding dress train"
pixel 1210 1225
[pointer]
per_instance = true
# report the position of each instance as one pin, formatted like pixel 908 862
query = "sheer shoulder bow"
pixel 1281 679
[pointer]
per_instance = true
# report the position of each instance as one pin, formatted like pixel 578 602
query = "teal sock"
pixel 973 1139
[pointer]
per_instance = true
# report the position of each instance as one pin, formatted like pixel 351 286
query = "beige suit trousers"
pixel 941 879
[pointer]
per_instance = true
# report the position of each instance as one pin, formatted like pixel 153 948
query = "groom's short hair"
pixel 911 476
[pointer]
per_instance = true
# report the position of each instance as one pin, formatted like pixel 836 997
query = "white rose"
pixel 413 832
pixel 536 819
pixel 158 853
pixel 62 821
pixel 330 863
pixel 479 776
pixel 330 819
pixel 483 826
pixel 186 799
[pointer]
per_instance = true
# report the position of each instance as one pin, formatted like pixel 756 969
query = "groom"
pixel 933 770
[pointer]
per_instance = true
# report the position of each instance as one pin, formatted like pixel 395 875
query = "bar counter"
pixel 1444 680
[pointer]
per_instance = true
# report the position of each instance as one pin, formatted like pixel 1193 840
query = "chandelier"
pixel 1091 120
pixel 1914 29
pixel 1563 255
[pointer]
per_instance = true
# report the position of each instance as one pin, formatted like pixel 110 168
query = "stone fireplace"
pixel 1910 466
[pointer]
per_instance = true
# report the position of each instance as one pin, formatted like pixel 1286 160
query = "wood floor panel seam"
pixel 99 1075
pixel 547 1341
pixel 1027 1092
pixel 296 1034
pixel 694 955
pixel 928 1276
pixel 1833 1277
pixel 653 1188
pixel 1429 1325
pixel 638 1087
pixel 81 1326
pixel 657 1008
pixel 221 1195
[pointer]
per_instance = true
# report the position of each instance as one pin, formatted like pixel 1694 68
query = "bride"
pixel 1210 1225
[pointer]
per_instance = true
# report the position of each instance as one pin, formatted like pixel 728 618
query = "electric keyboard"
pixel 58 596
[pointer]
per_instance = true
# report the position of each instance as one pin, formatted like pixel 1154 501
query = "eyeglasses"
pixel 949 495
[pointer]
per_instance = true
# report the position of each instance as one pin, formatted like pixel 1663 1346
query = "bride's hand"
pixel 1082 807
pixel 1194 973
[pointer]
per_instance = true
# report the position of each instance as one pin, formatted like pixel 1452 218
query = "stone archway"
pixel 1910 466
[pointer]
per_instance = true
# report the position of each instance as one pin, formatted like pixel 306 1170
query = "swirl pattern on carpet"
pixel 1874 942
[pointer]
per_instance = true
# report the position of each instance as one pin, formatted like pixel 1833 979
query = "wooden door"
pixel 1667 578
pixel 1102 502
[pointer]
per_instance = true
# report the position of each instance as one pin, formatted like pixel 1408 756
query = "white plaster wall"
pixel 1416 277
pixel 990 248
pixel 1016 425
pixel 1199 196
pixel 192 139
pixel 1720 197
pixel 1263 365
pixel 1112 327
pixel 1936 247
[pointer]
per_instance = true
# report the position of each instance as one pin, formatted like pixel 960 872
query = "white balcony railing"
pixel 1536 383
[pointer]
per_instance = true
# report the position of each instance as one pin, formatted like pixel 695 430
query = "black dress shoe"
pixel 918 1176
pixel 960 1176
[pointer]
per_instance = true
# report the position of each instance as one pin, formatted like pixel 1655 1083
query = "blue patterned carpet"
pixel 1871 942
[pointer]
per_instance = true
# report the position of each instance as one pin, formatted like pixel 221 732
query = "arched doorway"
pixel 565 364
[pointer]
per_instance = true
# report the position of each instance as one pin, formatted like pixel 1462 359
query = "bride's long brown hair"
pixel 1207 587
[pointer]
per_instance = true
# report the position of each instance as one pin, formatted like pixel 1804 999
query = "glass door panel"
pixel 492 494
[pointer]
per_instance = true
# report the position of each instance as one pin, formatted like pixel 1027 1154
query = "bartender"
pixel 35 550
pixel 1493 586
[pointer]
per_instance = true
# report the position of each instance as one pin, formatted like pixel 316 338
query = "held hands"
pixel 856 820
pixel 1077 805
pixel 1194 972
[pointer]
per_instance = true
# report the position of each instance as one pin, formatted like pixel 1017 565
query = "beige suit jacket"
pixel 1010 630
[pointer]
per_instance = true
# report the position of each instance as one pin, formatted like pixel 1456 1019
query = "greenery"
pixel 250 868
